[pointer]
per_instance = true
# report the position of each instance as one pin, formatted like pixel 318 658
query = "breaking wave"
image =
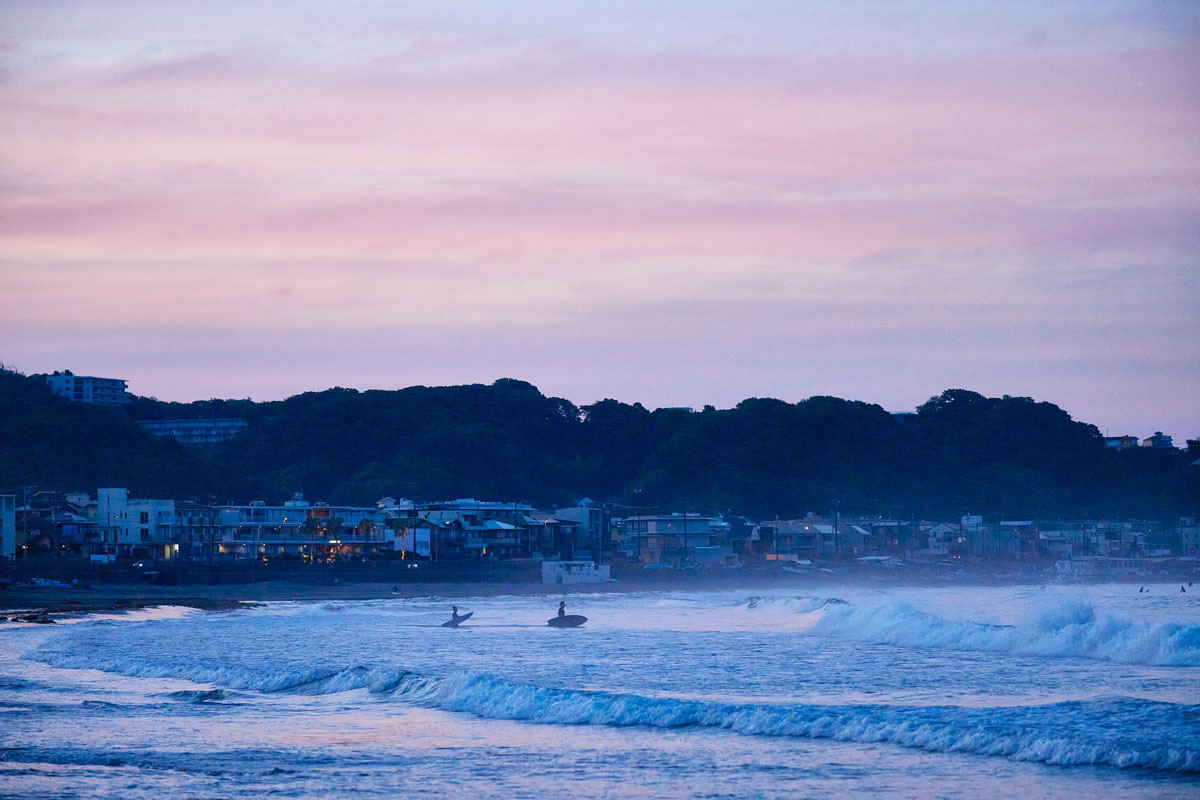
pixel 298 681
pixel 1095 732
pixel 197 695
pixel 1066 630
pixel 798 604
pixel 1070 733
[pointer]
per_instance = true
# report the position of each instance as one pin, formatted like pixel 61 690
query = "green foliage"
pixel 961 452
pixel 54 443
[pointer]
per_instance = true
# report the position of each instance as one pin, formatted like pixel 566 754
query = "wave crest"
pixel 1064 630
pixel 1101 732
pixel 799 604
pixel 1064 734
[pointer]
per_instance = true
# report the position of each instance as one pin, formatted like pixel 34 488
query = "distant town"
pixel 175 540
pixel 163 533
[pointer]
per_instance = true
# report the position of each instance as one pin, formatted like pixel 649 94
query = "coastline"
pixel 19 602
pixel 44 604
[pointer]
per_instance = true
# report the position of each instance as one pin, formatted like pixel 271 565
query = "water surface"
pixel 939 692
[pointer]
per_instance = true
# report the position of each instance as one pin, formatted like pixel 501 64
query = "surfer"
pixel 1181 589
pixel 454 613
pixel 562 607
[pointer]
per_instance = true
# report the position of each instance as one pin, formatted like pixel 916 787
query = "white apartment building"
pixel 89 388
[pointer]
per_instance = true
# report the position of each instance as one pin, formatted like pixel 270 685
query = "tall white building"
pixel 88 388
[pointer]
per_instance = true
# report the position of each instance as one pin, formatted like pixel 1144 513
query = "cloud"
pixel 866 196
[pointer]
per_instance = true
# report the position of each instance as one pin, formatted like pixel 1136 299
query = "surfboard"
pixel 569 621
pixel 454 623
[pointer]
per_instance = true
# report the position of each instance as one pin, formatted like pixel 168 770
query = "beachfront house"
pixel 677 540
pixel 132 527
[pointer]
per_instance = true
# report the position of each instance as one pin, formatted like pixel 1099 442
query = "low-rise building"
pixel 1159 440
pixel 591 528
pixel 1189 537
pixel 937 540
pixel 796 539
pixel 299 529
pixel 566 572
pixel 673 538
pixel 135 527
pixel 195 432
pixel 483 529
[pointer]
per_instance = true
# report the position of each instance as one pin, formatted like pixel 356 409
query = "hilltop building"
pixel 88 388
pixel 195 432
pixel 1159 439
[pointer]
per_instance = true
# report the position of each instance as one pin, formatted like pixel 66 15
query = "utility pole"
pixel 685 535
pixel 837 518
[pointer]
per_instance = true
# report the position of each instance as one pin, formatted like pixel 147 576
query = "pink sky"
pixel 686 205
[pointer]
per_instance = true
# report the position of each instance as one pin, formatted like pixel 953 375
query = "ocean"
pixel 1056 691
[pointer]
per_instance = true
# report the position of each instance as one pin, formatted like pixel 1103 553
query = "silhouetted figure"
pixel 562 607
pixel 1141 590
pixel 1182 589
pixel 454 613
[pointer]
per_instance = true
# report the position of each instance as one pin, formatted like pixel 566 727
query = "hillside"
pixel 961 452
pixel 54 444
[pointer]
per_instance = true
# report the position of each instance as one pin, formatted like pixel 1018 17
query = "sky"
pixel 677 204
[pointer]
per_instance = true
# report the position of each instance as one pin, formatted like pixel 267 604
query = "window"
pixel 144 518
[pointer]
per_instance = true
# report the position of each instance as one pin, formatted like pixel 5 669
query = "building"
pixel 1189 537
pixel 796 539
pixel 574 572
pixel 88 388
pixel 1118 540
pixel 1020 539
pixel 675 539
pixel 195 432
pixel 938 540
pixel 8 527
pixel 1120 442
pixel 133 527
pixel 297 529
pixel 591 528
pixel 484 529
pixel 1159 439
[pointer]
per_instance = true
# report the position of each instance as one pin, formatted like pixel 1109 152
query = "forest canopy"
pixel 960 452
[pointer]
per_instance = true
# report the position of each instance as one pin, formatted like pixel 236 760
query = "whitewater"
pixel 905 692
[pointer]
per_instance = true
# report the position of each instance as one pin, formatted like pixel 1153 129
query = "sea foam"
pixel 1071 733
pixel 1101 732
pixel 1063 630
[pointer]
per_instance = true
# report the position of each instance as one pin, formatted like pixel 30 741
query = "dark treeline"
pixel 960 452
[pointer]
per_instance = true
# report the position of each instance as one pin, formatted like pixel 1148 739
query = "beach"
pixel 57 600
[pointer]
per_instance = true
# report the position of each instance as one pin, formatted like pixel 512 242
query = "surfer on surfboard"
pixel 456 618
pixel 565 620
